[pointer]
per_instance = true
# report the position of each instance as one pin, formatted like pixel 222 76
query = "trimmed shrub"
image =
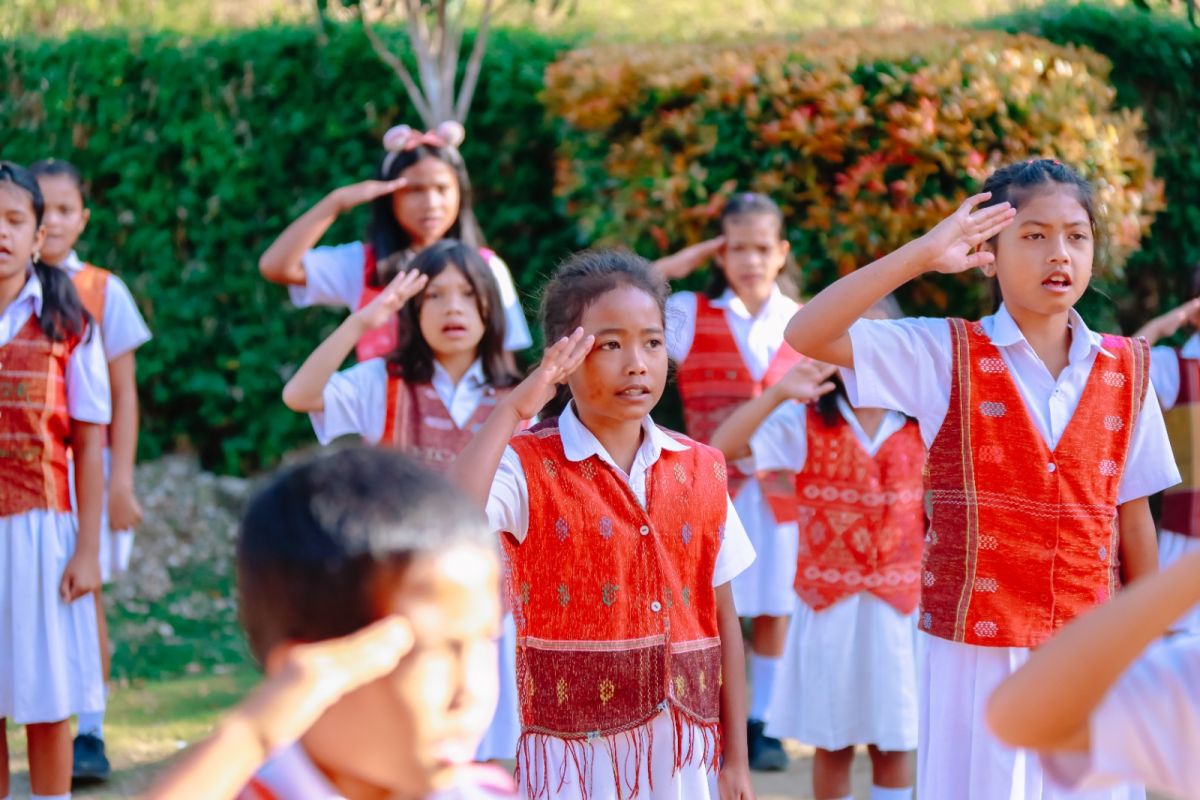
pixel 199 152
pixel 1154 59
pixel 866 140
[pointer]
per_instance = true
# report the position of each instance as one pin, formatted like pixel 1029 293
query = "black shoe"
pixel 766 753
pixel 90 764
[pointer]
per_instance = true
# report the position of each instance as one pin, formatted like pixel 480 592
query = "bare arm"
pixel 820 328
pixel 803 382
pixel 1139 540
pixel 283 261
pixel 312 678
pixel 124 511
pixel 475 467
pixel 82 573
pixel 1165 325
pixel 1046 704
pixel 735 772
pixel 305 392
pixel 688 260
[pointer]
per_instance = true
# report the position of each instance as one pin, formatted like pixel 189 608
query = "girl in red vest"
pixel 622 541
pixel 428 397
pixel 851 482
pixel 728 345
pixel 1045 440
pixel 1175 374
pixel 420 195
pixel 54 394
pixel 123 331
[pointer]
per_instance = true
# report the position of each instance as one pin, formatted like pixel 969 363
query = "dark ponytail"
pixel 63 315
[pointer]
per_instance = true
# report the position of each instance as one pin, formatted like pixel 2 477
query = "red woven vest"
pixel 614 604
pixel 418 423
pixel 1024 538
pixel 861 518
pixel 34 424
pixel 380 342
pixel 713 379
pixel 92 284
pixel 1181 503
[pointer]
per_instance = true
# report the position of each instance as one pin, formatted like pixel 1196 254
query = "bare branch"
pixel 474 64
pixel 392 60
pixel 418 34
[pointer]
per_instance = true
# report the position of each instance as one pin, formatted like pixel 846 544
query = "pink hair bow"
pixel 403 138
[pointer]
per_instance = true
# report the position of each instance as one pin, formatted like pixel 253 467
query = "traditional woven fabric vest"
pixel 34 425
pixel 381 341
pixel 615 610
pixel 92 284
pixel 713 379
pixel 418 423
pixel 1181 503
pixel 1024 538
pixel 861 518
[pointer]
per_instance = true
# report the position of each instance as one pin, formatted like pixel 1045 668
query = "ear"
pixel 277 657
pixel 39 238
pixel 988 269
pixel 87 216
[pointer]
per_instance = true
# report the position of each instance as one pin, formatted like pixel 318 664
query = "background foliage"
pixel 866 140
pixel 201 151
pixel 1156 69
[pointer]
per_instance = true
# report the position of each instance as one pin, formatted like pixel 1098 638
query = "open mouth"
pixel 454 329
pixel 1057 282
pixel 635 392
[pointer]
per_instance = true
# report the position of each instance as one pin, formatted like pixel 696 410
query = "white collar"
pixel 579 443
pixel 31 293
pixel 731 302
pixel 1191 348
pixel 474 373
pixel 1005 332
pixel 71 263
pixel 293 774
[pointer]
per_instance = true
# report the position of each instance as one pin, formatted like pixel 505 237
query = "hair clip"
pixel 404 138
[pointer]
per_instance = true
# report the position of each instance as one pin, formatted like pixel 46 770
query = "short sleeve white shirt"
pixel 508 503
pixel 905 365
pixel 123 327
pixel 758 336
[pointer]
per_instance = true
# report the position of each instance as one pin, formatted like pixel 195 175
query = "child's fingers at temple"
pixel 975 200
pixel 980 258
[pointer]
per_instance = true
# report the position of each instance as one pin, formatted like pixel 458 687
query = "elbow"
pixel 295 399
pixel 268 268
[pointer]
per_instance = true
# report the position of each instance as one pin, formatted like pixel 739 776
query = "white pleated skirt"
pixel 49 651
pixel 848 676
pixel 692 781
pixel 500 741
pixel 1171 548
pixel 958 757
pixel 765 587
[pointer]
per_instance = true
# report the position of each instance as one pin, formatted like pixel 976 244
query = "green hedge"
pixel 200 151
pixel 1155 60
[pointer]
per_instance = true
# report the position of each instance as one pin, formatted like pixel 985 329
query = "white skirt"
pixel 765 587
pixel 958 757
pixel 693 781
pixel 115 546
pixel 49 651
pixel 1171 548
pixel 848 677
pixel 500 741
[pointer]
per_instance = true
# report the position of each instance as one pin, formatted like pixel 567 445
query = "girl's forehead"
pixel 450 275
pixel 59 188
pixel 752 226
pixel 1055 203
pixel 626 307
pixel 13 197
pixel 430 169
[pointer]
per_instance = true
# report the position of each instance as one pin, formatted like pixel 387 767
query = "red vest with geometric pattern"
pixel 92 285
pixel 1181 503
pixel 1024 538
pixel 380 342
pixel 35 427
pixel 614 603
pixel 713 379
pixel 419 425
pixel 861 518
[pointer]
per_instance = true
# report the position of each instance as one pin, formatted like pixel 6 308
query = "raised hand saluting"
pixel 403 287
pixel 954 241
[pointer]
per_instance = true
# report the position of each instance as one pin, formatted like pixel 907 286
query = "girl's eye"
pixel 654 344
pixel 610 346
pixel 1032 236
pixel 1079 237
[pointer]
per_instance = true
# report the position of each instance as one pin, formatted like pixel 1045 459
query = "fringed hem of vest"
pixel 579 754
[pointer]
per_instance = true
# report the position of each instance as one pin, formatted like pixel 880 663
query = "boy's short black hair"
pixel 321 541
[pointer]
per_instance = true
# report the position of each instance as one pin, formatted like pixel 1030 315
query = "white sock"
pixel 92 722
pixel 882 793
pixel 762 681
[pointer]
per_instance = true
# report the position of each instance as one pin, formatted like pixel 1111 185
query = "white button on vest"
pixel 645 531
pixel 656 606
pixel 1051 467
